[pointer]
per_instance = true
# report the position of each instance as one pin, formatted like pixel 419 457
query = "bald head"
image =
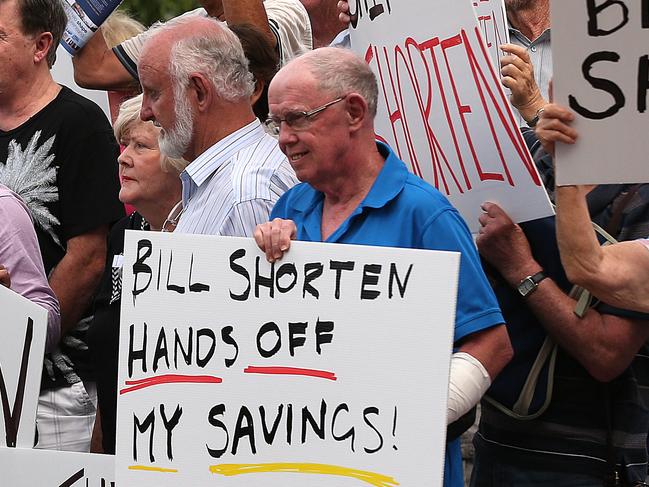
pixel 335 71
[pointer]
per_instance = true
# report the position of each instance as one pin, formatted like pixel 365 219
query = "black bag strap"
pixel 459 426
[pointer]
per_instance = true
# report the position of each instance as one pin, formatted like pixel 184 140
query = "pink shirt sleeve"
pixel 20 254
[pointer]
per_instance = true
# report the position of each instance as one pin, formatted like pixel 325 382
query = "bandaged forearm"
pixel 468 382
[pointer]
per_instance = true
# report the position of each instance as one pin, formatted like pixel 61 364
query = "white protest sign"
pixel 492 18
pixel 601 71
pixel 45 468
pixel 329 367
pixel 24 326
pixel 442 107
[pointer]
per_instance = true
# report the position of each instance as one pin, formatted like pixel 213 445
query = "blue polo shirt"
pixel 402 210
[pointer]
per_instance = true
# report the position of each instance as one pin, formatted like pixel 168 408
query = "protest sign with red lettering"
pixel 22 348
pixel 442 107
pixel 328 367
pixel 601 71
pixel 492 18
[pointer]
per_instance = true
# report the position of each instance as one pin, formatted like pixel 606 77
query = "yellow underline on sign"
pixel 152 469
pixel 375 479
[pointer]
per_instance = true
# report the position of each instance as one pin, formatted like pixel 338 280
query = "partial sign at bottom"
pixel 47 468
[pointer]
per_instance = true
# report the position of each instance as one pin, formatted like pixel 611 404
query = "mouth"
pixel 126 179
pixel 156 123
pixel 297 156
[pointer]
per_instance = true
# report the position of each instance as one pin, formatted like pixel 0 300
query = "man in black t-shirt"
pixel 58 153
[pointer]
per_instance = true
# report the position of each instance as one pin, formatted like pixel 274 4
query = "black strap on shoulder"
pixel 456 428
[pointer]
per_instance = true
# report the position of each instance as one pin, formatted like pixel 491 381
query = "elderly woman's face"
pixel 143 180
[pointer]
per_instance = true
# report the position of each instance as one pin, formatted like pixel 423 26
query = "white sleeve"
pixel 468 382
pixel 289 21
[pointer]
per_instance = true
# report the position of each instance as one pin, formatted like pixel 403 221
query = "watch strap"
pixel 538 277
pixel 528 285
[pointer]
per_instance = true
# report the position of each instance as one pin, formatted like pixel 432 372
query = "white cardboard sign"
pixel 329 367
pixel 46 468
pixel 601 71
pixel 442 107
pixel 492 18
pixel 24 326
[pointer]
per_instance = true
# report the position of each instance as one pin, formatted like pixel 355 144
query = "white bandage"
pixel 468 382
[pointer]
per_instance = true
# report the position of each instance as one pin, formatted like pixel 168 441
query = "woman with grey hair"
pixel 150 183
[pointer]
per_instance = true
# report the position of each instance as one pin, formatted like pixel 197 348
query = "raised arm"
pixel 604 344
pixel 96 67
pixel 617 274
pixel 249 12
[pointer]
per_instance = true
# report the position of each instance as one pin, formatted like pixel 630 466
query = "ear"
pixel 201 90
pixel 42 44
pixel 259 90
pixel 357 111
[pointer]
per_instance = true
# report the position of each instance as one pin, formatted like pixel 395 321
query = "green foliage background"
pixel 149 11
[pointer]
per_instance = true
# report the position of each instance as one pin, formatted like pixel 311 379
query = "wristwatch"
pixel 528 285
pixel 535 120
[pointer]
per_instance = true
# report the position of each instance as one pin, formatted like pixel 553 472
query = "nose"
pixel 146 113
pixel 124 158
pixel 287 135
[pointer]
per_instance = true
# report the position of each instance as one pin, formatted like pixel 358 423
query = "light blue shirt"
pixel 231 187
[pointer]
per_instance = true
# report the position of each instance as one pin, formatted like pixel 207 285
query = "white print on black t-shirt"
pixel 30 175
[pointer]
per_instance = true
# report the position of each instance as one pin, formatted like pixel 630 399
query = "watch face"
pixel 526 286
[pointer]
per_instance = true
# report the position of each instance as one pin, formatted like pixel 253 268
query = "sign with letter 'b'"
pixel 601 72
pixel 328 367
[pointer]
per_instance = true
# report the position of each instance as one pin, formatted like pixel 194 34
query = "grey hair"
pixel 128 117
pixel 340 72
pixel 215 52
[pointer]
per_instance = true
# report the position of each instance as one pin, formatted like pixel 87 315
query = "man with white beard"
pixel 197 87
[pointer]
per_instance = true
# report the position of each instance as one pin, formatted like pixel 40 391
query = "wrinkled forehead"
pixel 294 86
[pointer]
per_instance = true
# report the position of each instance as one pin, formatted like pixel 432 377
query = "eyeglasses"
pixel 171 222
pixel 298 120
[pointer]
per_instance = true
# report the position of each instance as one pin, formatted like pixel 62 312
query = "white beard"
pixel 175 141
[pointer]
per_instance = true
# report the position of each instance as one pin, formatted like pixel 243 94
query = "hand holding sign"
pixel 518 75
pixel 5 279
pixel 554 126
pixel 504 245
pixel 274 238
pixel 343 12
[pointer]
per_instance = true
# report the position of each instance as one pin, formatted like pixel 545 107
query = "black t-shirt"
pixel 63 163
pixel 103 335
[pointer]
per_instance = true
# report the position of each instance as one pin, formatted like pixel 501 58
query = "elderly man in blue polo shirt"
pixel 356 191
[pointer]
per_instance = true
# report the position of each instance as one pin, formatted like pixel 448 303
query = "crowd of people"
pixel 252 118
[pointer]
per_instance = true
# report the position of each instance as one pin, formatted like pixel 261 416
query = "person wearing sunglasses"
pixel 150 183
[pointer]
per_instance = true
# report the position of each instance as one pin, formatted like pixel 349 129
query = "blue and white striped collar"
pixel 209 161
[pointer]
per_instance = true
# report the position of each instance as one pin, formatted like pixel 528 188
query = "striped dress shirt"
pixel 233 185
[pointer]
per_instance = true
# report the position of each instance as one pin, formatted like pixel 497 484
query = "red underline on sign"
pixel 169 379
pixel 321 374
